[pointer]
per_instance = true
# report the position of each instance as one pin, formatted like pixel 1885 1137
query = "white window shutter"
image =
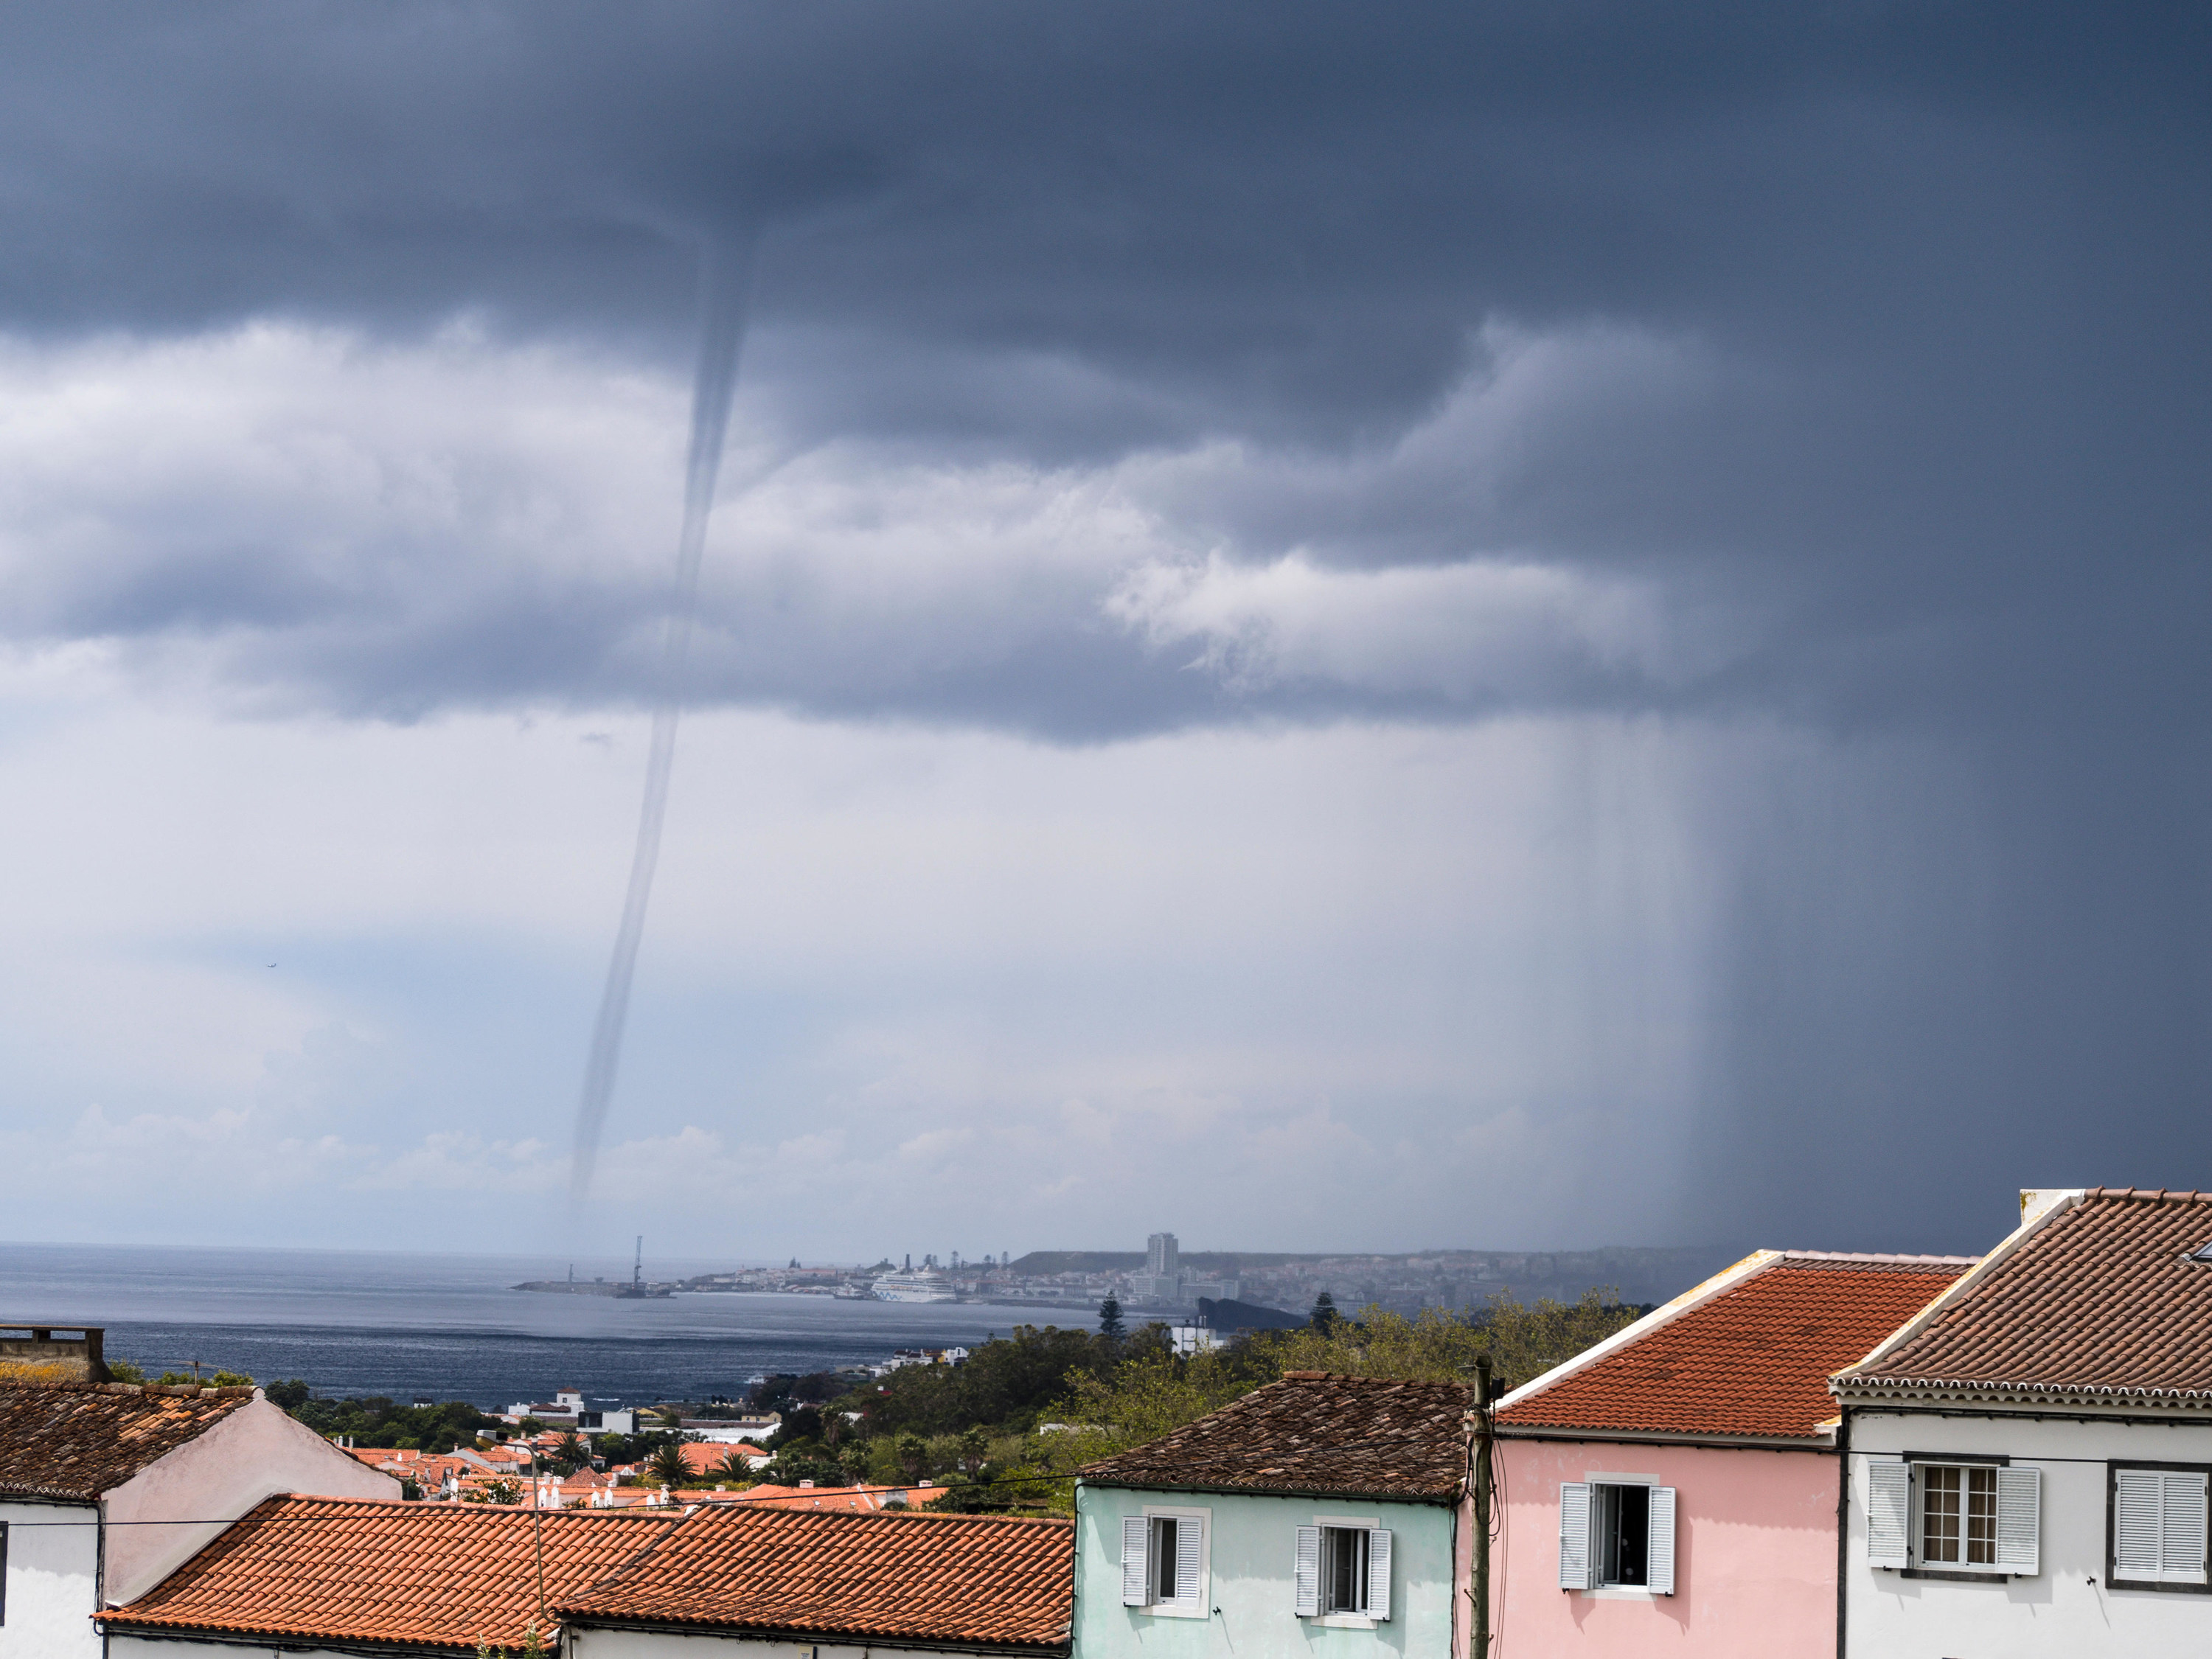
pixel 1306 1578
pixel 2020 1520
pixel 1659 1563
pixel 2181 1528
pixel 1378 1574
pixel 1136 1534
pixel 1190 1537
pixel 1574 1535
pixel 1889 1505
pixel 2137 1530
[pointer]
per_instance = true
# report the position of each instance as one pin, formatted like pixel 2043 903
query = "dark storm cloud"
pixel 1906 382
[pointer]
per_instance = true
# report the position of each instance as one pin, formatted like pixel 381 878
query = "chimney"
pixel 2037 1202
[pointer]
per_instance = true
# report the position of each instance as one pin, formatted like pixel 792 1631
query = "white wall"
pixel 654 1644
pixel 209 1481
pixel 51 1581
pixel 123 1646
pixel 2066 1608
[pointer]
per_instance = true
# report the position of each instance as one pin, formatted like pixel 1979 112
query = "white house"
pixel 749 1582
pixel 105 1488
pixel 2029 1456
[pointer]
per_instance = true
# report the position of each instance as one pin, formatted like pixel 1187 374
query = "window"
pixel 2158 1527
pixel 1617 1533
pixel 1958 1515
pixel 1163 1562
pixel 1342 1570
pixel 1968 1517
pixel 1623 1516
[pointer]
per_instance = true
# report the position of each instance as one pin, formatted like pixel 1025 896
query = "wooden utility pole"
pixel 1479 1647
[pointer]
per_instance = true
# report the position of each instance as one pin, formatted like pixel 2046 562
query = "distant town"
pixel 1163 1279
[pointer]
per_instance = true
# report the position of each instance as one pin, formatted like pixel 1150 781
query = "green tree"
pixel 667 1464
pixel 1324 1315
pixel 1109 1316
pixel 913 1454
pixel 734 1466
pixel 570 1453
pixel 1523 1341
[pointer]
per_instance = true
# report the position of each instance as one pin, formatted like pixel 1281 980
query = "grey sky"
pixel 1805 411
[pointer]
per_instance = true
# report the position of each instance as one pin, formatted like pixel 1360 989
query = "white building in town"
pixel 106 1488
pixel 2028 1457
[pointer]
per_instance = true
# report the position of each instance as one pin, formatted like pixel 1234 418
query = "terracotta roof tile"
pixel 969 1578
pixel 858 1500
pixel 81 1439
pixel 1753 1359
pixel 2101 1298
pixel 434 1575
pixel 1353 1436
pixel 707 1456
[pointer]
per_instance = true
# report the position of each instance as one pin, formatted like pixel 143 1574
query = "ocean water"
pixel 449 1326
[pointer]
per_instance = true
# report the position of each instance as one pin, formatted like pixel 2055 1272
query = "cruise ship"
pixel 912 1287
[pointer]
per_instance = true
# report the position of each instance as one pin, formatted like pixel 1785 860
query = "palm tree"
pixel 668 1465
pixel 735 1466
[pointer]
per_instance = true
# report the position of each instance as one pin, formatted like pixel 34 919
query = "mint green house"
pixel 1323 1515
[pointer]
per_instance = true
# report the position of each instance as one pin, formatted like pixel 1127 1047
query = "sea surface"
pixel 418 1326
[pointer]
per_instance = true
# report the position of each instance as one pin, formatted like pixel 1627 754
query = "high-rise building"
pixel 1162 1259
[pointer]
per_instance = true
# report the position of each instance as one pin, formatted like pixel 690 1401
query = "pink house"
pixel 1675 1490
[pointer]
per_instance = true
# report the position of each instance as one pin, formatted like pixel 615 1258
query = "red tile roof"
pixel 1313 1432
pixel 2101 1298
pixel 77 1440
pixel 345 1570
pixel 968 1578
pixel 857 1500
pixel 1747 1354
pixel 707 1457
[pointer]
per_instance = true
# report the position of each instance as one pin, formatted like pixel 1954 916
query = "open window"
pixel 1163 1562
pixel 1617 1535
pixel 1343 1570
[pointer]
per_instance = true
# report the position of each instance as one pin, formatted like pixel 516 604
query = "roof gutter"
pixel 295 1641
pixel 581 1620
pixel 1441 1500
pixel 1804 1443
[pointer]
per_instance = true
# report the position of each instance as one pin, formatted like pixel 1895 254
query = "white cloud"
pixel 299 519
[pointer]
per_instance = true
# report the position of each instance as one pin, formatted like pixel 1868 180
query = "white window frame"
pixel 1643 1592
pixel 1348 1523
pixel 2007 1476
pixel 2176 1583
pixel 1916 1518
pixel 1200 1606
